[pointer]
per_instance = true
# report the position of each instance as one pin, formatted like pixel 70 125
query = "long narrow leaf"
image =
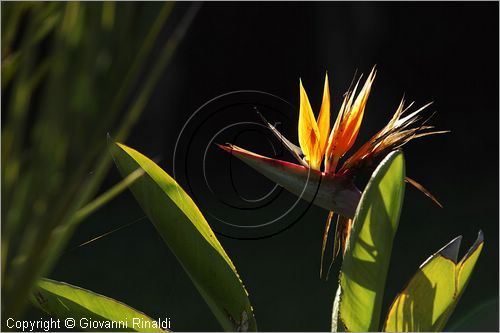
pixel 366 260
pixel 188 235
pixel 89 311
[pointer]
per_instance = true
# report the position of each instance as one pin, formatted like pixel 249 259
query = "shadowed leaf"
pixel 481 318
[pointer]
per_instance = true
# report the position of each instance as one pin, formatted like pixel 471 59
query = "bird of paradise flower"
pixel 333 187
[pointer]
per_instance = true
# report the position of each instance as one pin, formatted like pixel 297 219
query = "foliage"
pixel 187 233
pixel 425 304
pixel 63 300
pixel 431 295
pixel 366 260
pixel 67 80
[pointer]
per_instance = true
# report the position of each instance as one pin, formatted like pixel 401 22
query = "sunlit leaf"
pixel 336 325
pixel 62 301
pixel 188 235
pixel 433 292
pixel 366 260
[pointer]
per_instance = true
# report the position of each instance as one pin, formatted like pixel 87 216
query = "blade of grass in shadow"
pixel 44 17
pixel 46 246
pixel 366 260
pixel 139 104
pixel 107 196
pixel 86 308
pixel 139 61
pixel 190 238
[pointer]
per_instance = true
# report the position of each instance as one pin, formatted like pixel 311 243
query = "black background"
pixel 441 52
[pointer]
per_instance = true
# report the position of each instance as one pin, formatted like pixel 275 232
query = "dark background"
pixel 441 52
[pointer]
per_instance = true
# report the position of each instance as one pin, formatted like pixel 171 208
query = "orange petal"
pixel 309 134
pixel 348 122
pixel 324 118
pixel 396 133
pixel 353 122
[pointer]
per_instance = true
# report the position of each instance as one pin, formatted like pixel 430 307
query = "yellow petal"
pixel 309 134
pixel 324 118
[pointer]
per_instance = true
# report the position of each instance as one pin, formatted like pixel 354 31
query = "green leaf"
pixel 433 292
pixel 62 300
pixel 336 325
pixel 190 238
pixel 366 260
pixel 481 318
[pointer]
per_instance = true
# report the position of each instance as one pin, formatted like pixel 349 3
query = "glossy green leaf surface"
pixel 90 311
pixel 366 260
pixel 188 235
pixel 433 292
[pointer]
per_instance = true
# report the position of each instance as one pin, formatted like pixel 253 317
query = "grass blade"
pixel 107 196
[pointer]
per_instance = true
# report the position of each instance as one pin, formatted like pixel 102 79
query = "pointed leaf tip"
pixel 475 246
pixel 450 250
pixel 437 285
pixel 188 235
